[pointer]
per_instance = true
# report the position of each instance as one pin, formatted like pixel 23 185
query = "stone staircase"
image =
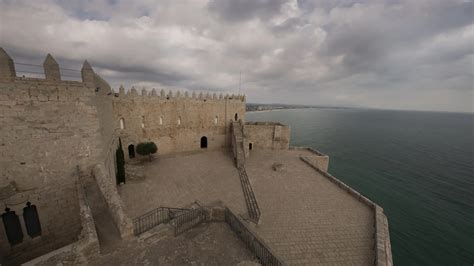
pixel 238 143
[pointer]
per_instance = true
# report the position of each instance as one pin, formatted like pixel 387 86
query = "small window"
pixel 216 120
pixel 179 120
pixel 161 120
pixel 250 146
pixel 143 121
pixel 131 151
pixel 11 222
pixel 236 117
pixel 122 123
pixel 203 142
pixel 32 222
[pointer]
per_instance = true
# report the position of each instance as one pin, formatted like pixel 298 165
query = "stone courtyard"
pixel 305 219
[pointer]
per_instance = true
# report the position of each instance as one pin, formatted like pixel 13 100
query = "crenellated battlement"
pixel 153 94
pixel 50 69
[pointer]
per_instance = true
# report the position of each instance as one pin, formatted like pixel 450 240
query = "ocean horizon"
pixel 417 165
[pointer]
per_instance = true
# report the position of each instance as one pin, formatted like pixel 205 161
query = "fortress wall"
pixel 264 135
pixel 156 118
pixel 48 128
pixel 108 133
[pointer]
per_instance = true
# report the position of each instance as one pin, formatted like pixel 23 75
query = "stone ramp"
pixel 107 231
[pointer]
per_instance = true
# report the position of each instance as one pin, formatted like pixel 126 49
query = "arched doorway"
pixel 131 151
pixel 203 142
pixel 236 116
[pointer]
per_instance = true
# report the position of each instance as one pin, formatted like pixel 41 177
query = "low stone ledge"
pixel 320 160
pixel 382 239
pixel 308 149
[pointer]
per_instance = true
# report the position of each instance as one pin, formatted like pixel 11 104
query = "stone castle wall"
pixel 267 135
pixel 176 123
pixel 50 128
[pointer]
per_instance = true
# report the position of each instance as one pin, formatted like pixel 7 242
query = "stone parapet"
pixel 114 202
pixel 132 94
pixel 319 159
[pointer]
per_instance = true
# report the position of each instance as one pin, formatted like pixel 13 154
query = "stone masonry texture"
pixel 57 136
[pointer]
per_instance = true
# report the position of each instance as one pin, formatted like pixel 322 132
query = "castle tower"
pixel 7 67
pixel 87 74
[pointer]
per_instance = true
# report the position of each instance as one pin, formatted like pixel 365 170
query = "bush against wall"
pixel 147 149
pixel 120 159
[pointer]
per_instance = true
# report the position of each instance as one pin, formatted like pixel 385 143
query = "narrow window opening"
pixel 11 222
pixel 236 117
pixel 161 120
pixel 216 120
pixel 203 142
pixel 131 151
pixel 250 146
pixel 179 120
pixel 32 222
pixel 143 121
pixel 122 123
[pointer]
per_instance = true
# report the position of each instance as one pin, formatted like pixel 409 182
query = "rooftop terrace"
pixel 306 218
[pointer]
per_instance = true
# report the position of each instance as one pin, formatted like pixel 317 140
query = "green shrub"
pixel 120 159
pixel 147 149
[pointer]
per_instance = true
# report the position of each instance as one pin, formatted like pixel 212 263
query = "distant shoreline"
pixel 293 108
pixel 356 108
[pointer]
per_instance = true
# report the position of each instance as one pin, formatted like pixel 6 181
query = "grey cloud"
pixel 393 54
pixel 239 10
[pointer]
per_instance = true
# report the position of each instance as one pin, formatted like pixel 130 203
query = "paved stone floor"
pixel 305 219
pixel 177 181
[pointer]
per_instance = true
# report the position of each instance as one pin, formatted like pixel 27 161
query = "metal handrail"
pixel 253 242
pixel 154 218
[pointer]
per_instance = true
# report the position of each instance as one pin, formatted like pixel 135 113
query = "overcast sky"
pixel 411 54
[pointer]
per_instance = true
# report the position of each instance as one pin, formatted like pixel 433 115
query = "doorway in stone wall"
pixel 203 142
pixel 131 151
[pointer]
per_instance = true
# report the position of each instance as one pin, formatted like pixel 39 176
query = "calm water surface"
pixel 419 166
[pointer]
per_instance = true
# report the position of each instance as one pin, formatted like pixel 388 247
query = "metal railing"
pixel 155 217
pixel 188 219
pixel 257 246
pixel 250 200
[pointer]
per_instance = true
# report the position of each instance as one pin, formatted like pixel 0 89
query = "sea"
pixel 418 166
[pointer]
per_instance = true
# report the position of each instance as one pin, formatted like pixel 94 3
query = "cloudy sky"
pixel 412 54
